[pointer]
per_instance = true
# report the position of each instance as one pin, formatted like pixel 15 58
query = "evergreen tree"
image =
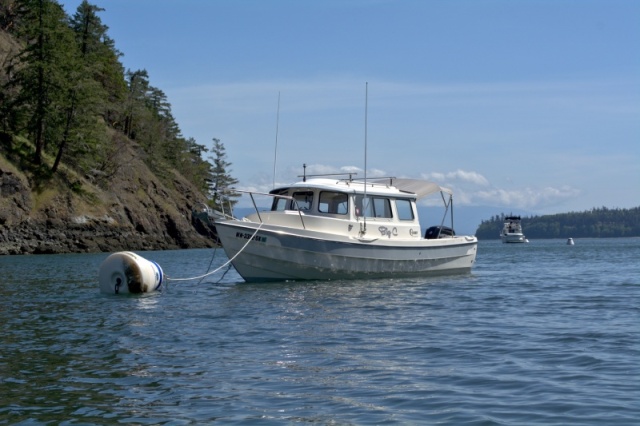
pixel 221 180
pixel 7 14
pixel 192 166
pixel 45 77
pixel 149 121
pixel 66 86
pixel 135 112
pixel 163 136
pixel 54 95
pixel 100 58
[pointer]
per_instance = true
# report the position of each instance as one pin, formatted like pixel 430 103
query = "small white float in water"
pixel 126 272
pixel 570 242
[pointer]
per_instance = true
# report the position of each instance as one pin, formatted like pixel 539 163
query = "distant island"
pixel 599 222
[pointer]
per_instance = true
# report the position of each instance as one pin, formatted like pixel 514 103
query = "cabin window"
pixel 279 204
pixel 303 200
pixel 333 202
pixel 379 207
pixel 405 212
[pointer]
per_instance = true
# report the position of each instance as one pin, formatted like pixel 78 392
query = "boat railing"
pixel 348 177
pixel 255 206
pixel 203 211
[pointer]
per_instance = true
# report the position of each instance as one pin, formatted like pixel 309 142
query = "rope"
pixel 213 256
pixel 223 265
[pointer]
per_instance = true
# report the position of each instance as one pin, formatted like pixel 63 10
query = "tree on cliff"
pixel 104 88
pixel 47 74
pixel 221 179
pixel 100 57
pixel 68 94
pixel 7 14
pixel 54 98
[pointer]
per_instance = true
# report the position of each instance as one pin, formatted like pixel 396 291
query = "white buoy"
pixel 126 272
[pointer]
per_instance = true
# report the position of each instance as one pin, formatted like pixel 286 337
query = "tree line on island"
pixel 66 99
pixel 595 223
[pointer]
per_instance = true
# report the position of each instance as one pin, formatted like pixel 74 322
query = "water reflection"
pixel 444 349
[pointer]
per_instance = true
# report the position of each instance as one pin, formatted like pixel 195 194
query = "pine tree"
pixel 53 95
pixel 135 112
pixel 192 165
pixel 7 14
pixel 45 78
pixel 66 85
pixel 100 58
pixel 221 180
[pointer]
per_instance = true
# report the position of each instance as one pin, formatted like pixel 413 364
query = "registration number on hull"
pixel 247 236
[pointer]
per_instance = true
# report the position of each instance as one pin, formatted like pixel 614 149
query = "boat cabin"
pixel 347 203
pixel 329 205
pixel 345 199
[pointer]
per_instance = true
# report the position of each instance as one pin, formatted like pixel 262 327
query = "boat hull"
pixel 513 238
pixel 275 254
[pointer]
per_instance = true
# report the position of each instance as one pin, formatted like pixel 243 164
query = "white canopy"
pixel 421 188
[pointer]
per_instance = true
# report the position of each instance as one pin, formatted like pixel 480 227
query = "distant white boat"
pixel 570 242
pixel 512 230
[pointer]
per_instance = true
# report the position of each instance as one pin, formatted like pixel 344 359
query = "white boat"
pixel 570 242
pixel 512 230
pixel 329 228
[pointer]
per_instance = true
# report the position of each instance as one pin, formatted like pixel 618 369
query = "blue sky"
pixel 522 105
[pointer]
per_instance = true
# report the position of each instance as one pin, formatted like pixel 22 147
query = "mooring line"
pixel 221 266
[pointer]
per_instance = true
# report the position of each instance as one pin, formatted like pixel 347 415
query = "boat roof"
pixel 379 186
pixel 421 188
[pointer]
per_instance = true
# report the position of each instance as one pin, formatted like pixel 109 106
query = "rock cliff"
pixel 131 210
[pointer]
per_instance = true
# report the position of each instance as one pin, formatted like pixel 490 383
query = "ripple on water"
pixel 535 335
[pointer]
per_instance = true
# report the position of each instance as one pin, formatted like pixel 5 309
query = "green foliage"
pixel 45 78
pixel 8 14
pixel 221 181
pixel 191 165
pixel 595 223
pixel 68 93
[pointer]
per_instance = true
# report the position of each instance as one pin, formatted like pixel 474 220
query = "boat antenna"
pixel 275 155
pixel 364 200
pixel 366 104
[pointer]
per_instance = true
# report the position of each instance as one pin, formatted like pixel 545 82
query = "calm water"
pixel 542 333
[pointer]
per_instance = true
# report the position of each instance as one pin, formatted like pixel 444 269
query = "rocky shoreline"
pixel 135 212
pixel 56 237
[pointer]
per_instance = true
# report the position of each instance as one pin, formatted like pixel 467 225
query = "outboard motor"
pixel 435 232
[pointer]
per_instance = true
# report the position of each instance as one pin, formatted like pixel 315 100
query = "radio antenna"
pixel 364 199
pixel 366 107
pixel 275 155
